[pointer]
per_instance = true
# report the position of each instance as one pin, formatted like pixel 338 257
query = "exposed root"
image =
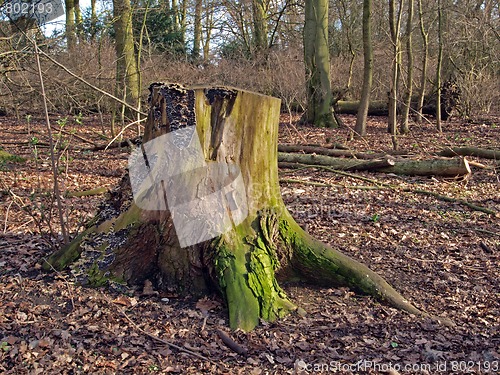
pixel 321 264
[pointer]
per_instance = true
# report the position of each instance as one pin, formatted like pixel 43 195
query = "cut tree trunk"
pixel 381 108
pixel 433 167
pixel 129 244
pixel 375 108
pixel 309 149
pixel 471 151
pixel 337 163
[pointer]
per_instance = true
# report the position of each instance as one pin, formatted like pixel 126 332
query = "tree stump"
pixel 235 136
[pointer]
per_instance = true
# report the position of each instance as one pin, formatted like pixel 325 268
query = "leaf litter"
pixel 442 256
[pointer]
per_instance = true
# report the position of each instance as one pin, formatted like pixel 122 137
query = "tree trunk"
pixel 259 11
pixel 197 29
pixel 351 107
pixel 317 63
pixel 425 56
pixel 392 99
pixel 438 68
pixel 70 25
pixel 405 118
pixel 346 164
pixel 309 149
pixel 78 20
pixel 395 26
pixel 93 19
pixel 127 75
pixel 222 145
pixel 209 25
pixel 364 103
pixel 471 151
pixel 433 167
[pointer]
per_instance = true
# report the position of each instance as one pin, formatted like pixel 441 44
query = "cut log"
pixel 315 150
pixel 337 163
pixel 376 108
pixel 222 145
pixel 310 149
pixel 471 151
pixel 435 167
pixel 380 108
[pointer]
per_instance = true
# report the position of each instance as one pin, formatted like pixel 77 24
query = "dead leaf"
pixel 123 301
pixel 205 305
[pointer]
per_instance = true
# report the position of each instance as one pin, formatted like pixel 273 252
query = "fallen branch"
pixel 383 186
pixel 323 184
pixel 74 135
pixel 316 150
pixel 336 151
pixel 433 167
pixel 337 163
pixel 230 343
pixel 124 143
pixel 445 198
pixel 471 151
pixel 156 338
pixel 479 165
pixel 376 108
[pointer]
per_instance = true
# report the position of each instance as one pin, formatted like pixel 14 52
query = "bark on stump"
pixel 125 243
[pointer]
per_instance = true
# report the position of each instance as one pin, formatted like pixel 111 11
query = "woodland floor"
pixel 442 256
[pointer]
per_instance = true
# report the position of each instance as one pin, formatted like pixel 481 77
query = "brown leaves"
pixel 125 301
pixel 441 256
pixel 205 305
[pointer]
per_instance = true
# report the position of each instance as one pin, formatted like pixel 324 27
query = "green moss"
pixel 97 277
pixel 246 262
pixel 131 216
pixel 67 254
pixel 7 157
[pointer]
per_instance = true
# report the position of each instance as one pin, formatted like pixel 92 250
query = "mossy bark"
pixel 319 109
pixel 130 244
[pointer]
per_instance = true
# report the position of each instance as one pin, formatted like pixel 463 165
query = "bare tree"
pixel 127 74
pixel 260 30
pixel 395 26
pixel 425 57
pixel 319 109
pixel 360 128
pixel 70 25
pixel 197 32
pixel 438 67
pixel 405 116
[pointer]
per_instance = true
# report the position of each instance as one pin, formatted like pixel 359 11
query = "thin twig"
pixel 121 132
pixel 74 135
pixel 6 218
pixel 52 156
pixel 156 338
pixel 324 184
pixel 124 103
pixel 407 190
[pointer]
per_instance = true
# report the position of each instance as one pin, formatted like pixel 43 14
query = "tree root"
pixel 322 264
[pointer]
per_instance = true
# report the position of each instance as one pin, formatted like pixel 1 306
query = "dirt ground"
pixel 442 256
